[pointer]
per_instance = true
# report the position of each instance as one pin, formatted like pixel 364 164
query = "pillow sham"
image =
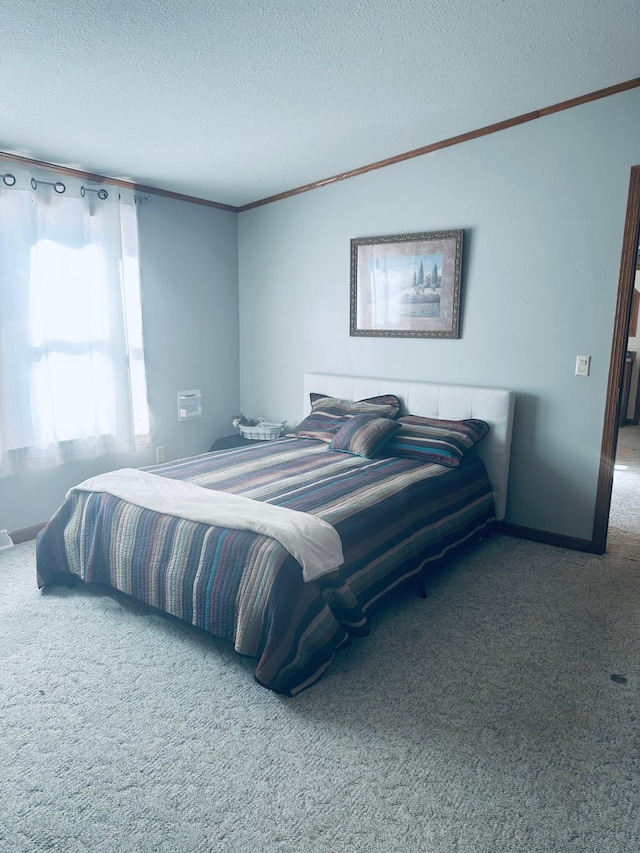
pixel 363 435
pixel 433 440
pixel 328 414
pixel 389 402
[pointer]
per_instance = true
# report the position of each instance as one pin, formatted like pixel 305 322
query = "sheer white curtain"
pixel 72 381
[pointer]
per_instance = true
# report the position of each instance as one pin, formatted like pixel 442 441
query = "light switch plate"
pixel 583 365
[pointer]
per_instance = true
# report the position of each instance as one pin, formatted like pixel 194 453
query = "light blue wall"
pixel 543 207
pixel 189 279
pixel 189 261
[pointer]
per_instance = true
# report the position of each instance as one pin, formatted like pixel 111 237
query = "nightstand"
pixel 227 441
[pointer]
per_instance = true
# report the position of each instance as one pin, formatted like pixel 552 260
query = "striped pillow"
pixel 364 435
pixel 389 403
pixel 328 414
pixel 435 441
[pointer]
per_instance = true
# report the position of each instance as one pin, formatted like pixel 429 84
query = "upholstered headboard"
pixel 453 402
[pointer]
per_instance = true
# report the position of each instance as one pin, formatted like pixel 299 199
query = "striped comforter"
pixel 394 516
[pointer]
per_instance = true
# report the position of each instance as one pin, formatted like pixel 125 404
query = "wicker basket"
pixel 264 431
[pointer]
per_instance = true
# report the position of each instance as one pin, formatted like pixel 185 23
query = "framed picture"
pixel 406 285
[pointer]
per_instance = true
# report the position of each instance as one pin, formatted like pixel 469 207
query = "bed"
pixel 391 512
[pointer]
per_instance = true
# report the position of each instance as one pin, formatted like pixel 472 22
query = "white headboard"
pixel 453 402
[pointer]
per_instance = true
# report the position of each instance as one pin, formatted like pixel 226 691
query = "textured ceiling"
pixel 237 100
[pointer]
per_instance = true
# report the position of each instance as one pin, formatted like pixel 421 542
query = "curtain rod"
pixel 59 187
pixel 118 182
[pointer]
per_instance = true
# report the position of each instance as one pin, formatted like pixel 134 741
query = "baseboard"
pixel 25 534
pixel 557 539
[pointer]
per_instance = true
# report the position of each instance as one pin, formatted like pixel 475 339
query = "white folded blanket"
pixel 314 543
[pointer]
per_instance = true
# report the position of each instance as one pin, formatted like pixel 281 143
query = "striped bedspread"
pixel 394 517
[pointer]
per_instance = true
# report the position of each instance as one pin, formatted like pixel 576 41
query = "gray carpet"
pixel 625 505
pixel 500 715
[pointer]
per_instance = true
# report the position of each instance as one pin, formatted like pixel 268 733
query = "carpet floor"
pixel 499 715
pixel 625 505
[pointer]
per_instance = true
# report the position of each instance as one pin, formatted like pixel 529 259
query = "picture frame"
pixel 406 285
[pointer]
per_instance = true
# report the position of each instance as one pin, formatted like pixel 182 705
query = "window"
pixel 72 377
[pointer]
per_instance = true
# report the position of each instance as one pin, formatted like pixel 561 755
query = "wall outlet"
pixel 160 453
